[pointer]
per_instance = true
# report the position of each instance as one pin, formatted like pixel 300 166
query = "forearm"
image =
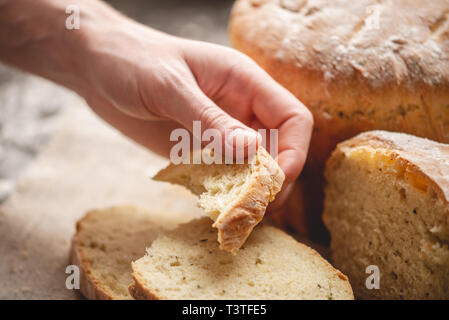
pixel 34 37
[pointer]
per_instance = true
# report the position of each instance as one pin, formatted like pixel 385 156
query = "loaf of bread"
pixel 187 264
pixel 357 65
pixel 106 242
pixel 235 196
pixel 387 207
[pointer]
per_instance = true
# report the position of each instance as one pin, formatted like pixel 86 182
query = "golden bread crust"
pixel 89 286
pixel 357 65
pixel 428 159
pixel 236 225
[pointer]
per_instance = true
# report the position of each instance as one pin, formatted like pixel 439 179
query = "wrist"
pixel 116 49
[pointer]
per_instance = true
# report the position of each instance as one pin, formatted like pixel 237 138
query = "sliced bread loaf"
pixel 387 207
pixel 187 264
pixel 105 243
pixel 235 196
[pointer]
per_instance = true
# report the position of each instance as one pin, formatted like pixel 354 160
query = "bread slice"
pixel 105 243
pixel 235 196
pixel 387 205
pixel 187 264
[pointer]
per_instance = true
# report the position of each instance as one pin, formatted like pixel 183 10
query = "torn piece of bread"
pixel 187 264
pixel 387 206
pixel 106 242
pixel 235 196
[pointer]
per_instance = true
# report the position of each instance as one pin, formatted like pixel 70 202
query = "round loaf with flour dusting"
pixel 357 65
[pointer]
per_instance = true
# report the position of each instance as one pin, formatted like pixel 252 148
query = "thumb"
pixel 237 139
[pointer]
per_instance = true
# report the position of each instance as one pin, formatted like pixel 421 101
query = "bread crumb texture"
pixel 235 196
pixel 187 264
pixel 387 205
pixel 105 244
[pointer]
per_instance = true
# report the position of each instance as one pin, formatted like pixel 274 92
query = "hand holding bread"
pixel 358 66
pixel 234 196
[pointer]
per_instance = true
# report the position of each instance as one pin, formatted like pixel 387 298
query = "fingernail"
pixel 243 141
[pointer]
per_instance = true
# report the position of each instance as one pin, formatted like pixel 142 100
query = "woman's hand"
pixel 147 83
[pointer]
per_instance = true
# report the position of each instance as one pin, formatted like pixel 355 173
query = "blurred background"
pixel 29 106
